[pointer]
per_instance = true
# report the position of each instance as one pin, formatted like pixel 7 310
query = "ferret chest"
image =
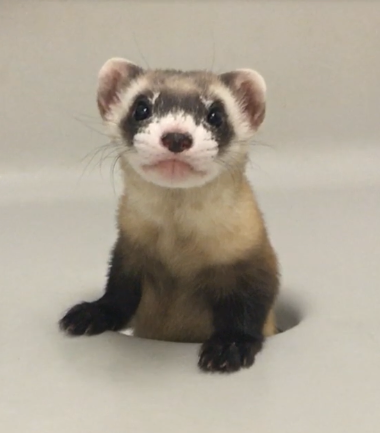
pixel 188 231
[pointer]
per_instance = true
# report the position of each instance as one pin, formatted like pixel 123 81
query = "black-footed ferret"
pixel 192 261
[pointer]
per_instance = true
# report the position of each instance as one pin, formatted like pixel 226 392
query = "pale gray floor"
pixel 318 185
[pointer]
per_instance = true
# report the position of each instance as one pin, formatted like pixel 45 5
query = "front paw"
pixel 227 353
pixel 91 318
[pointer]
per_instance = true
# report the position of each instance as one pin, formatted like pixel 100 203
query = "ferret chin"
pixel 173 173
pixel 192 261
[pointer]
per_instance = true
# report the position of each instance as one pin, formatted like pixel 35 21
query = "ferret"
pixel 192 261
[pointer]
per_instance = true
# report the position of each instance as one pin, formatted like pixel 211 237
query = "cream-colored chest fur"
pixel 188 229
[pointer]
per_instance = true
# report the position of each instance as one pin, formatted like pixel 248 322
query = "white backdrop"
pixel 318 182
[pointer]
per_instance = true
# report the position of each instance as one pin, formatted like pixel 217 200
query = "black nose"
pixel 177 142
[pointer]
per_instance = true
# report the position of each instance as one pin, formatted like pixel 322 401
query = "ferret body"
pixel 193 261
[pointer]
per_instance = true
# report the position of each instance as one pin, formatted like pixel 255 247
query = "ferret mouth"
pixel 172 169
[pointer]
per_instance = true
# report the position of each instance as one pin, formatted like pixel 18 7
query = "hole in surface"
pixel 128 332
pixel 288 314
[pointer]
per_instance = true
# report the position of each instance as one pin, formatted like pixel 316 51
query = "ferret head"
pixel 180 129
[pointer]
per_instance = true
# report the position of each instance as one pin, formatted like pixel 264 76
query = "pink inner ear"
pixel 252 103
pixel 250 93
pixel 108 91
pixel 115 75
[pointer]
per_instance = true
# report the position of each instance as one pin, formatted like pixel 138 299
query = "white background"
pixel 317 177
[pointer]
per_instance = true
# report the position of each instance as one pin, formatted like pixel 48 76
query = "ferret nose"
pixel 177 142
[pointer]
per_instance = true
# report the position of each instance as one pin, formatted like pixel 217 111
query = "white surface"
pixel 319 186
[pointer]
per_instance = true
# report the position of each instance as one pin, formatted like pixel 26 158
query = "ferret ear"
pixel 249 88
pixel 114 76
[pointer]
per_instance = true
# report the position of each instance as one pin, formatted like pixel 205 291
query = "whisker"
pixel 213 50
pixel 95 151
pixel 112 171
pixel 105 151
pixel 228 168
pixel 94 154
pixel 89 127
pixel 89 116
pixel 139 50
pixel 263 144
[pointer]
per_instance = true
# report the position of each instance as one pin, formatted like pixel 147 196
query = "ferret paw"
pixel 91 318
pixel 226 353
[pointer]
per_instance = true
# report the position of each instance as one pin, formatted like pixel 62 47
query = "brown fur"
pixel 186 231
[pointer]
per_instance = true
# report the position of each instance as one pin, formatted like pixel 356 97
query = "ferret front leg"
pixel 114 310
pixel 240 307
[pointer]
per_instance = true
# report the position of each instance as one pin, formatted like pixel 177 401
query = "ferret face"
pixel 180 129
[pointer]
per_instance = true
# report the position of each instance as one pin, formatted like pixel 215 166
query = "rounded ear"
pixel 115 75
pixel 249 88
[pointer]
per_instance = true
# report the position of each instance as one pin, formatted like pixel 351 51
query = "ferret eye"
pixel 215 116
pixel 143 110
